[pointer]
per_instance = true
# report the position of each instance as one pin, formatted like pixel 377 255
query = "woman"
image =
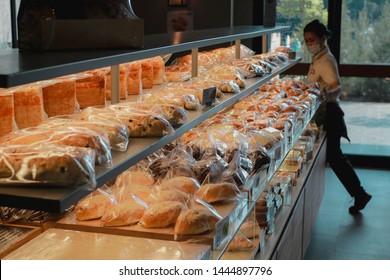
pixel 323 70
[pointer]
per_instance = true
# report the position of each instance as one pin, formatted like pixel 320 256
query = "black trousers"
pixel 341 166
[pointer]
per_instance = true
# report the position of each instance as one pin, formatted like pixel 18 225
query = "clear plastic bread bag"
pixel 117 133
pixel 218 192
pixel 93 206
pixel 47 164
pixel 259 157
pixel 199 218
pixel 128 208
pixel 174 114
pixel 67 136
pixel 140 124
pixel 238 169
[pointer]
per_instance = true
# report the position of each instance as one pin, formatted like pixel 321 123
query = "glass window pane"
pixel 365 32
pixel 5 25
pixel 296 14
pixel 367 115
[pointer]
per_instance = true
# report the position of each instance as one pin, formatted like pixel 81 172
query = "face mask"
pixel 314 49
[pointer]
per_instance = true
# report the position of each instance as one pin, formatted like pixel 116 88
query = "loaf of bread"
pixel 70 137
pixel 47 164
pixel 122 214
pixel 139 124
pixel 195 221
pixel 174 114
pixel 158 70
pixel 183 184
pixel 59 96
pixel 116 133
pixel 134 78
pixel 7 113
pixel 211 193
pixel 92 206
pixel 91 89
pixel 28 102
pixel 147 73
pixel 162 214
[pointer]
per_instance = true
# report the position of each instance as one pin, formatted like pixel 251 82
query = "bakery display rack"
pixel 18 68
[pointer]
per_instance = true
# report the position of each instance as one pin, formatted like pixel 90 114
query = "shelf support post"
pixel 264 46
pixel 238 49
pixel 194 62
pixel 115 84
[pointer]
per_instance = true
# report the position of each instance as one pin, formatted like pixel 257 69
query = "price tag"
pixel 209 96
pixel 222 230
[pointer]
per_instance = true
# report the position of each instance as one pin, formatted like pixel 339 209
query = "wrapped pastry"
pixel 139 124
pixel 209 168
pixel 162 214
pixel 240 242
pixel 212 193
pixel 174 114
pixel 175 73
pixel 122 214
pixel 47 164
pixel 93 206
pixel 124 192
pixel 80 137
pixel 195 221
pixel 117 133
pixel 184 184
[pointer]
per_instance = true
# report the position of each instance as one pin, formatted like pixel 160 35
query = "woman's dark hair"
pixel 318 28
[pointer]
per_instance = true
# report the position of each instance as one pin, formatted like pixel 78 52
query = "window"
pixel 365 32
pixel 361 38
pixel 296 14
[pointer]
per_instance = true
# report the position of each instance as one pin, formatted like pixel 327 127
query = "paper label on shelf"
pixel 221 231
pixel 209 96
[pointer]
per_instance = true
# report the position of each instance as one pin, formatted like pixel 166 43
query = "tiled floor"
pixel 337 235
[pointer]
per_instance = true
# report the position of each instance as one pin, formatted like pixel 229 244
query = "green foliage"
pixel 297 13
pixel 365 38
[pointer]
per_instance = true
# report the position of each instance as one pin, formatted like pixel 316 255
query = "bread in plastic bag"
pixel 67 136
pixel 216 192
pixel 117 133
pixel 47 164
pixel 94 205
pixel 162 214
pixel 122 214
